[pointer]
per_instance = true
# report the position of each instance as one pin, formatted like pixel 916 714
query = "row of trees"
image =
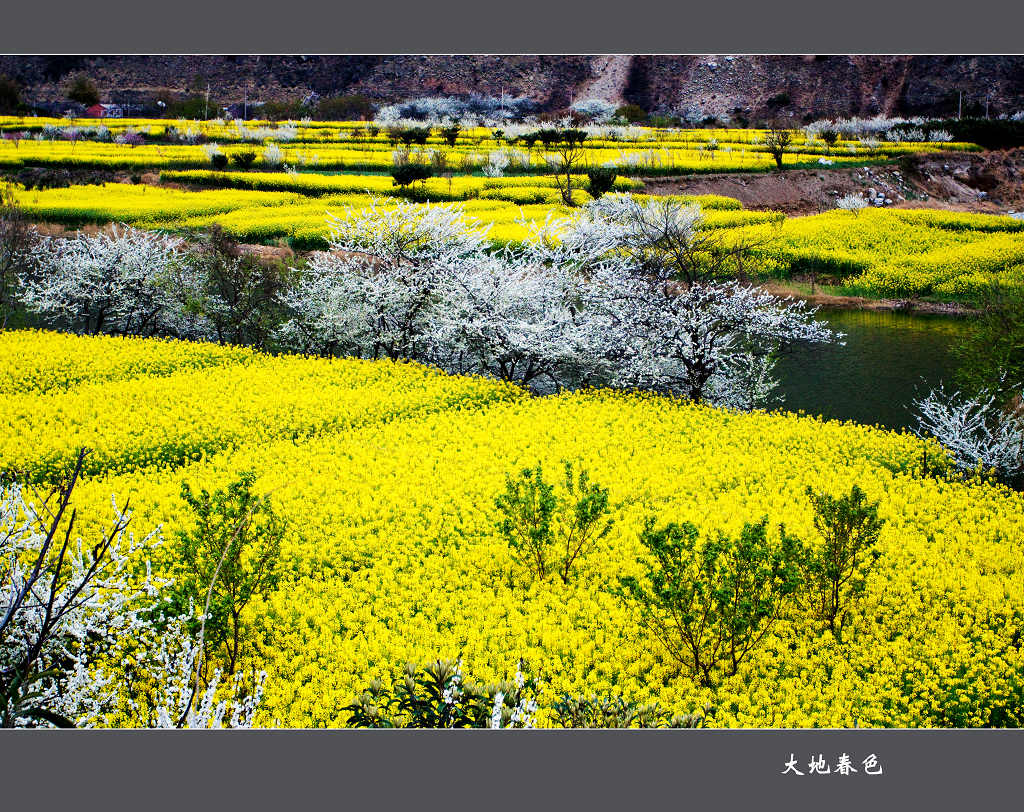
pixel 625 293
pixel 708 601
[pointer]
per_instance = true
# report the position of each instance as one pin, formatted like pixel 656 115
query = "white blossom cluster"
pixel 852 203
pixel 473 110
pixel 211 150
pixel 908 134
pixel 870 130
pixel 55 630
pixel 523 713
pixel 113 281
pixel 124 281
pixel 57 132
pixel 980 434
pixel 272 155
pixel 855 127
pixel 587 300
pixel 180 704
pixel 68 607
pixel 285 132
pixel 497 163
pixel 598 111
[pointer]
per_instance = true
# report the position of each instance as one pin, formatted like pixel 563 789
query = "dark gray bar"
pixel 592 770
pixel 523 26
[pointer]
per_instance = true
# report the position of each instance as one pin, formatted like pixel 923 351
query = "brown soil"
pixel 833 302
pixel 987 182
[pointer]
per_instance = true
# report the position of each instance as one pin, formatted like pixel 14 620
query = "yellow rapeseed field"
pixel 387 474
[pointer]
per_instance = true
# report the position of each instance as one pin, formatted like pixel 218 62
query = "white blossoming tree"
pixel 108 282
pixel 70 610
pixel 852 203
pixel 710 342
pixel 648 273
pixel 522 322
pixel 980 432
pixel 374 294
pixel 618 294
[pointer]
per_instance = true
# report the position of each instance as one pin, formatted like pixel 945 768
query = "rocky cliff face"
pixel 739 86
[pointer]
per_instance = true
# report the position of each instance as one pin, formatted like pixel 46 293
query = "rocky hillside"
pixel 752 87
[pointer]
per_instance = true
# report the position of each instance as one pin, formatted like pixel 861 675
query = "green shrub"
pixel 836 572
pixel 549 137
pixel 601 180
pixel 990 351
pixel 437 696
pixel 547 532
pixel 633 113
pixel 10 95
pixel 244 159
pixel 450 134
pixel 344 108
pixel 412 135
pixel 83 91
pixel 711 603
pixel 404 174
pixel 228 557
pixel 219 160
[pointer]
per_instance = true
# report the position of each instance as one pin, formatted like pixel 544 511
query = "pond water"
pixel 889 359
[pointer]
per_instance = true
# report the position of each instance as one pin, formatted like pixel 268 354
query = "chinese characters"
pixel 843 765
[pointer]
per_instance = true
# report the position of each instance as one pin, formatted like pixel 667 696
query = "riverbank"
pixel 824 297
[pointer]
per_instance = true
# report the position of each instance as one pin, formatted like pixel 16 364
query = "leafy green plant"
pixel 83 91
pixel 244 159
pixel 547 532
pixel 219 161
pixel 450 134
pixel 777 140
pixel 836 571
pixel 228 557
pixel 10 95
pixel 616 712
pixel 407 173
pixel 235 291
pixel 601 179
pixel 711 602
pixel 344 108
pixel 991 351
pixel 633 113
pixel 437 696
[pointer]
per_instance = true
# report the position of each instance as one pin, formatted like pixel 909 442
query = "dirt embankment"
pixel 798 289
pixel 987 182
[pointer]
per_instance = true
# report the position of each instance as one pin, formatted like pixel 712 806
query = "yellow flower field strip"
pixel 324 132
pixel 898 252
pixel 167 421
pixel 892 252
pixel 42 361
pixel 437 188
pixel 395 556
pixel 305 226
pixel 636 158
pixel 963 271
pixel 139 204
